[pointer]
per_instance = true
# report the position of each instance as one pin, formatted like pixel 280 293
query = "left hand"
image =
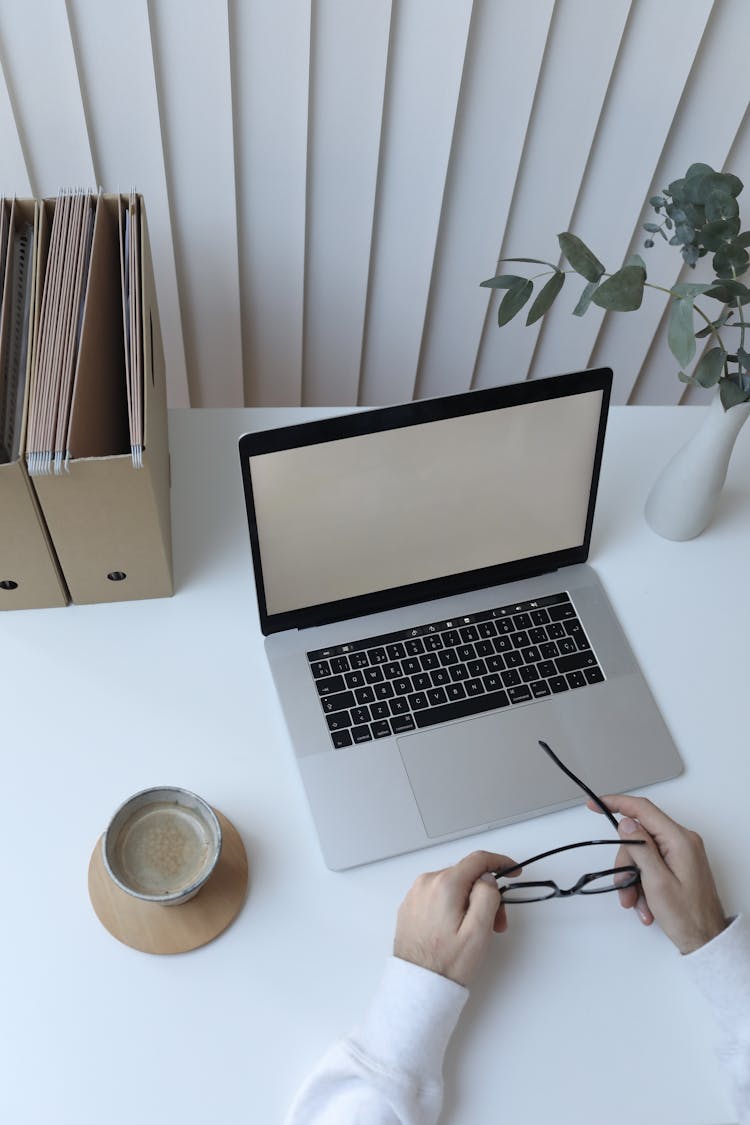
pixel 445 921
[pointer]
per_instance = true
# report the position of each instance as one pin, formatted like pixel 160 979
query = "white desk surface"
pixel 579 1013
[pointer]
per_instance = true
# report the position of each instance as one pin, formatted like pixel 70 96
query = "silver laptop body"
pixel 429 614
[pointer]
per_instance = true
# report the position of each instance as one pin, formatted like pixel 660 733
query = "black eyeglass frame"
pixel 631 871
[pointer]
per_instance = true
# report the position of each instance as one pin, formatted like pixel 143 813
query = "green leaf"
pixel 502 281
pixel 731 394
pixel 533 261
pixel 709 367
pixel 743 359
pixel 623 291
pixel 514 300
pixel 580 257
pixel 685 378
pixel 699 188
pixel 680 332
pixel 729 290
pixel 698 170
pixel 585 299
pixel 731 260
pixel 651 227
pixel 691 290
pixel 714 234
pixel 636 260
pixel 721 205
pixel 546 296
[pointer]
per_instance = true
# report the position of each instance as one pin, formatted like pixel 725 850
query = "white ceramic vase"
pixel 682 501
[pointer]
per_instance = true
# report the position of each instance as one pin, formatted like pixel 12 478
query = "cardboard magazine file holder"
pixel 110 520
pixel 29 574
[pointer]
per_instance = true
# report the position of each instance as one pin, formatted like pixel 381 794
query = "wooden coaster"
pixel 153 928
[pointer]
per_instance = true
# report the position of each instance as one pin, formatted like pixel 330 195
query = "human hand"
pixel 677 888
pixel 445 921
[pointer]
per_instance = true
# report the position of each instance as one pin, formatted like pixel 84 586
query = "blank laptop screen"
pixel 356 515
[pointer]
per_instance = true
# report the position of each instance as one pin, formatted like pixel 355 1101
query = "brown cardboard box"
pixel 29 573
pixel 110 520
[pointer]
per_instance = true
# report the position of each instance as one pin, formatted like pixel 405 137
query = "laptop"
pixel 429 614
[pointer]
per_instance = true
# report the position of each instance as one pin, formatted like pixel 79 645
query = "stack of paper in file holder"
pixel 84 455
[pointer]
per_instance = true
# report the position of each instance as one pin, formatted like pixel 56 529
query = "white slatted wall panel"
pixel 327 182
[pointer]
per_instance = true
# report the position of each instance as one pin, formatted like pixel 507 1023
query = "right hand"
pixel 677 888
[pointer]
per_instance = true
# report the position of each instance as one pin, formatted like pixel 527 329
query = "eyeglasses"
pixel 594 883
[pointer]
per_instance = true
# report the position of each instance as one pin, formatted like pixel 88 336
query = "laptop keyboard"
pixel 418 677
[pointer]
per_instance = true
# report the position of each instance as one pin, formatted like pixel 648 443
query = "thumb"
pixel 642 850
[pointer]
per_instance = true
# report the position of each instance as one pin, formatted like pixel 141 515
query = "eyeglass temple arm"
pixel 579 783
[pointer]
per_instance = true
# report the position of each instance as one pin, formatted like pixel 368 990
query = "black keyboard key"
pixel 447 656
pixel 377 655
pixel 466 652
pixel 469 633
pixel 380 710
pixel 341 738
pixel 331 684
pixel 429 661
pixel 320 668
pixel 421 681
pixel 520 640
pixel 440 676
pixel 364 695
pixel 531 654
pixel 474 687
pixel 558 684
pixel 450 638
pixel 566 645
pixel 381 729
pixel 561 612
pixel 404 722
pixel 433 642
pixel 529 673
pixel 522 621
pixel 539 689
pixel 477 668
pixel 361 734
pixel 547 668
pixel 414 647
pixel 338 702
pixel 359 660
pixel 399 705
pixel 594 675
pixel 484 648
pixel 354 679
pixel 549 650
pixel 402 686
pixel 340 664
pixel 360 715
pixel 510 678
pixel 460 709
pixel 519 694
pixel 539 616
pixel 575 661
pixel 410 666
pixel 338 720
pixel 384 690
pixel 513 659
pixel 395 652
pixel 537 636
pixel 455 691
pixel 458 672
pixel 418 700
pixel 495 663
pixel 505 625
pixel 392 671
pixel 492 682
pixel 487 629
pixel 576 679
pixel 555 630
pixel 373 675
pixel 436 696
pixel 502 644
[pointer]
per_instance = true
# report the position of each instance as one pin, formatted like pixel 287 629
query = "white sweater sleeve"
pixel 389 1070
pixel 721 971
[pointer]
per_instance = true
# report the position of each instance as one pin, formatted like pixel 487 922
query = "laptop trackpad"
pixel 480 771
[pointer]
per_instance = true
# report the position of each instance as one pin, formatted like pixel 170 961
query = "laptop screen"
pixel 345 511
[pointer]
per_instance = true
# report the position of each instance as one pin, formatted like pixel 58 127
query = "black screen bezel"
pixel 398 417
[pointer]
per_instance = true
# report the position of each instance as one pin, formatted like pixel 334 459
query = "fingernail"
pixel 488 877
pixel 642 909
pixel 627 826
